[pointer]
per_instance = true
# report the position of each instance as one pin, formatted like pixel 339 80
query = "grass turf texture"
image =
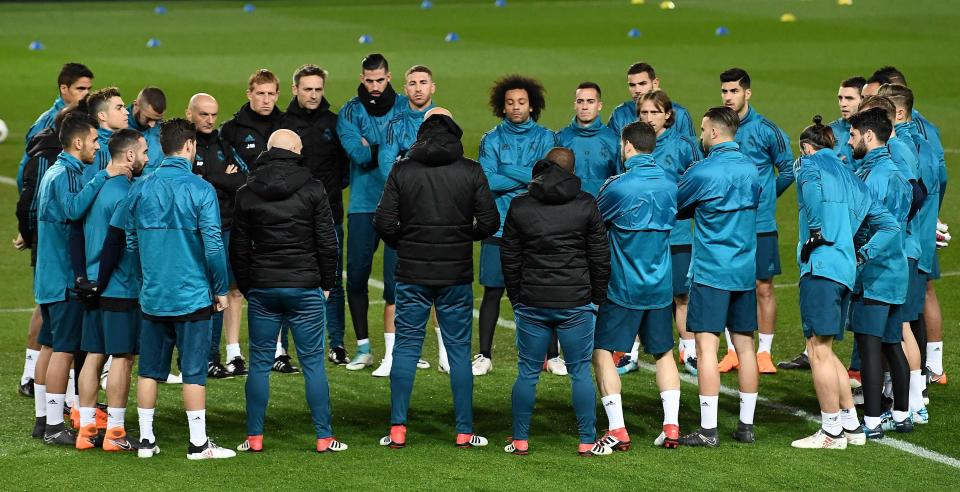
pixel 213 47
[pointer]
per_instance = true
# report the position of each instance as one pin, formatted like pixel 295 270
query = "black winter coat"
pixel 211 163
pixel 554 250
pixel 42 152
pixel 435 204
pixel 245 136
pixel 283 233
pixel 322 153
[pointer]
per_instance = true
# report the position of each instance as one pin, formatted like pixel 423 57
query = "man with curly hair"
pixel 507 154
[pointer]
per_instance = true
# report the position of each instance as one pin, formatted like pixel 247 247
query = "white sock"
pixel 872 422
pixel 197 419
pixel 614 409
pixel 145 416
pixel 917 380
pixel 363 346
pixel 708 411
pixel 55 408
pixel 115 417
pixel 88 415
pixel 899 416
pixel 444 362
pixel 29 365
pixel 748 403
pixel 233 351
pixel 671 406
pixel 730 347
pixel 935 357
pixel 388 339
pixel 689 348
pixel 635 351
pixel 279 353
pixel 848 419
pixel 40 400
pixel 887 385
pixel 765 343
pixel 106 365
pixel 71 395
pixel 831 423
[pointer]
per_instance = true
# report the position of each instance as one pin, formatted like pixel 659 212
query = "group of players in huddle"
pixel 607 236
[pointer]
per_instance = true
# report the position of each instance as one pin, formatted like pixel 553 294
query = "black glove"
pixel 860 259
pixel 816 240
pixel 87 293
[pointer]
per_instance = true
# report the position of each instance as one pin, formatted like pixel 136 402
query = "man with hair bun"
pixel 834 205
pixel 507 154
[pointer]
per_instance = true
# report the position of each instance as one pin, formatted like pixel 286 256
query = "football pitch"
pixel 212 47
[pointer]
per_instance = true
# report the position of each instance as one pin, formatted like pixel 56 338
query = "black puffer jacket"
pixel 554 249
pixel 283 232
pixel 211 163
pixel 42 152
pixel 435 204
pixel 322 153
pixel 246 135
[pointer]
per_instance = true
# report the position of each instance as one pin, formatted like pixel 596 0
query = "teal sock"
pixel 363 347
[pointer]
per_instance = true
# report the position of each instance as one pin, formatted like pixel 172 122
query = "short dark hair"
pixel 97 100
pixel 308 70
pixel 641 135
pixel 591 85
pixel 563 157
pixel 736 75
pixel 63 113
pixel 899 95
pixel 818 135
pixel 122 140
pixel 875 120
pixel 725 117
pixel 535 94
pixel 154 97
pixel 71 72
pixel 77 124
pixel 887 75
pixel 662 101
pixel 374 61
pixel 642 67
pixel 856 82
pixel 174 133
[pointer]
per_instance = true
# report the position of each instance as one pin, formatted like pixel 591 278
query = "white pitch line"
pixel 952 151
pixel 798 412
pixel 8 181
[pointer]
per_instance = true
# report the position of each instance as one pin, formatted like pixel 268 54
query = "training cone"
pixel 634 33
pixel 845 3
pixel 451 37
pixel 500 3
pixel 365 39
pixel 721 31
pixel 153 43
pixel 788 17
pixel 35 46
pixel 159 10
pixel 249 8
pixel 426 4
pixel 667 5
pixel 637 2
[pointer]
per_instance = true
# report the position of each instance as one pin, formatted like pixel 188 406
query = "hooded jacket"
pixel 42 152
pixel 596 148
pixel 246 135
pixel 435 204
pixel 283 233
pixel 554 250
pixel 323 155
pixel 211 163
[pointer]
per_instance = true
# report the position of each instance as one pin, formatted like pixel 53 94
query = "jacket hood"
pixel 278 174
pixel 551 184
pixel 438 142
pixel 45 141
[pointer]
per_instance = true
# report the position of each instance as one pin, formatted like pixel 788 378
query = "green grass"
pixel 212 47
